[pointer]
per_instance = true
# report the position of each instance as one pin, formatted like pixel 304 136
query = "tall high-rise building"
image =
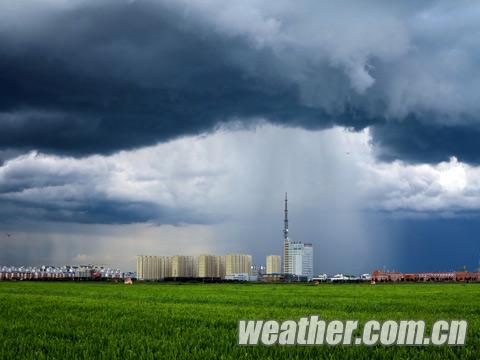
pixel 274 264
pixel 209 266
pixel 153 267
pixel 237 264
pixel 183 266
pixel 301 259
pixel 222 267
pixel 307 266
pixel 297 256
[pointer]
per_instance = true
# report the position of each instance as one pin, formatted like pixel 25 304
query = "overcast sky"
pixel 175 127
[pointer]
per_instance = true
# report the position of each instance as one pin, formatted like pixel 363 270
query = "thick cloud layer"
pixel 85 77
pixel 217 179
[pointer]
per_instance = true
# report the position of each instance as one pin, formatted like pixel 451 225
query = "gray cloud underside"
pixel 86 77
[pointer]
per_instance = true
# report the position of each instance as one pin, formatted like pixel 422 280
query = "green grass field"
pixel 99 320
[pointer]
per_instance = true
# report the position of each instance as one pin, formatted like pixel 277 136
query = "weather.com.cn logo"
pixel 314 331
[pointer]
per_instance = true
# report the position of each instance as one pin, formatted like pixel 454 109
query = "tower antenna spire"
pixel 285 228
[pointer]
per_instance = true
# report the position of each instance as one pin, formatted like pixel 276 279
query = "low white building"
pixel 241 277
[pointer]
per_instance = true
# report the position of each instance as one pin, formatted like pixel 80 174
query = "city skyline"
pixel 297 261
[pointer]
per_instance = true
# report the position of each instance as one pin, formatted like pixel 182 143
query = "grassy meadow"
pixel 54 320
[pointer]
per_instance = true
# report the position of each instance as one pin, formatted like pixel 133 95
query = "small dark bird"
pixel 9 235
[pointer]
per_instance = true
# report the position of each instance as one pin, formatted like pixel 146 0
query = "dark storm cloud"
pixel 95 211
pixel 414 141
pixel 86 77
pixel 97 79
